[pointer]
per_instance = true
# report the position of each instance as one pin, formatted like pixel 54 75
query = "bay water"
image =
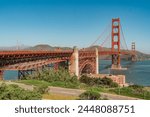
pixel 136 73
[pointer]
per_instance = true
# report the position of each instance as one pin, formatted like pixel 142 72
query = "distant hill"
pixel 47 47
pixel 40 47
pixel 142 56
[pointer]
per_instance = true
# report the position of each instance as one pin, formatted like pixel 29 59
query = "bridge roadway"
pixel 24 60
pixel 13 60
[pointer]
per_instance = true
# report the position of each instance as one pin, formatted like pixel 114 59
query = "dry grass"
pixel 147 88
pixel 58 97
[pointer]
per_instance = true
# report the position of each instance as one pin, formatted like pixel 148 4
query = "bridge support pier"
pixel 97 68
pixel 74 62
pixel 116 62
pixel 1 74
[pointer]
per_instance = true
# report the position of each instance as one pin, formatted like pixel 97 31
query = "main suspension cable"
pixel 99 37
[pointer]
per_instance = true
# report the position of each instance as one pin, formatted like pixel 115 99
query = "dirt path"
pixel 74 92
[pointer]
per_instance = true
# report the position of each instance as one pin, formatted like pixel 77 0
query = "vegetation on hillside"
pixel 62 78
pixel 14 92
pixel 103 82
pixel 52 77
pixel 132 91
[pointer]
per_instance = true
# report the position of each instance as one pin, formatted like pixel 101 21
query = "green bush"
pixel 136 87
pixel 107 81
pixel 114 84
pixel 41 89
pixel 98 81
pixel 85 79
pixel 90 95
pixel 14 92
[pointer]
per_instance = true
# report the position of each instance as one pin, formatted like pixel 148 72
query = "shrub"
pixel 41 89
pixel 107 81
pixel 98 81
pixel 14 92
pixel 85 79
pixel 114 84
pixel 136 86
pixel 90 95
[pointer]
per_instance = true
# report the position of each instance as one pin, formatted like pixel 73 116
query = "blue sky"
pixel 72 22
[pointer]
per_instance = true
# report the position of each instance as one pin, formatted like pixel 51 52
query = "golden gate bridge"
pixel 78 61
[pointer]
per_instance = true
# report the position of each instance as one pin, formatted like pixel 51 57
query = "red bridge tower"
pixel 133 57
pixel 115 48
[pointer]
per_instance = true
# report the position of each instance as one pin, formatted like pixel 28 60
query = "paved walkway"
pixel 77 92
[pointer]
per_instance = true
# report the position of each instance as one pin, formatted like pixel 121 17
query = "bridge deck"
pixel 23 60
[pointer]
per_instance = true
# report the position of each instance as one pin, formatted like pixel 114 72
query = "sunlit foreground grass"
pixel 58 97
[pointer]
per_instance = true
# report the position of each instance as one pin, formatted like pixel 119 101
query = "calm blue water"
pixel 137 73
pixel 10 75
